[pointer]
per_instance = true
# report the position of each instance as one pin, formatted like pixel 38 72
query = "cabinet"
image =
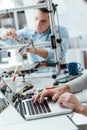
pixel 15 19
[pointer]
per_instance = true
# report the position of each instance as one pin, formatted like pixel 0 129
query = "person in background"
pixel 41 33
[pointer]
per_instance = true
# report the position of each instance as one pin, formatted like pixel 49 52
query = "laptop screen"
pixel 6 91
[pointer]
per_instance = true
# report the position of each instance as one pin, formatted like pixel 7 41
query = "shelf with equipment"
pixel 14 19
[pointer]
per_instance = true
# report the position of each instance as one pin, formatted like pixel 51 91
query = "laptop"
pixel 26 108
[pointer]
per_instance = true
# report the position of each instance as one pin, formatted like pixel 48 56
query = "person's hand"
pixel 70 101
pixel 23 50
pixel 8 33
pixel 54 93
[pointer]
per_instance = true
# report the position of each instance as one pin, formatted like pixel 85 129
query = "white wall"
pixel 29 13
pixel 76 17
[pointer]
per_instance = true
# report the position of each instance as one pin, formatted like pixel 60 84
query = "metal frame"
pixel 53 36
pixel 23 8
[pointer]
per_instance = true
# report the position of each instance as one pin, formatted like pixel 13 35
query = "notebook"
pixel 26 108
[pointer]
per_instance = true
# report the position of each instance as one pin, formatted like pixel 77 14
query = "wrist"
pixel 64 88
pixel 32 50
pixel 35 50
pixel 82 109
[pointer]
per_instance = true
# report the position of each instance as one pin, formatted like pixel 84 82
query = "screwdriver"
pixel 28 87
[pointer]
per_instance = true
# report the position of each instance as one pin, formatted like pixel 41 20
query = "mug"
pixel 73 68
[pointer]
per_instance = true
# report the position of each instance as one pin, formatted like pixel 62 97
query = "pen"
pixel 51 87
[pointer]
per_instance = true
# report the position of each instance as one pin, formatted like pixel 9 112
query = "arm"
pixel 78 84
pixel 11 33
pixel 83 110
pixel 73 86
pixel 38 51
pixel 27 33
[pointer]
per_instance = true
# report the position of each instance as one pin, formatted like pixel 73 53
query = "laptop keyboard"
pixel 30 108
